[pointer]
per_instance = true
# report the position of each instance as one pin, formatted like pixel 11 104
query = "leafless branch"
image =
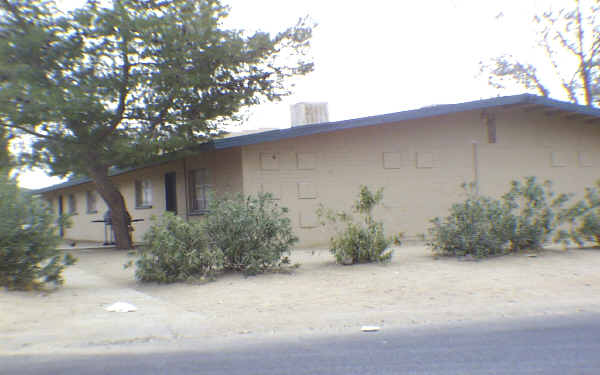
pixel 567 86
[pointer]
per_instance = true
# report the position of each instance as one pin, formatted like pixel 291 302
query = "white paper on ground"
pixel 121 307
pixel 369 328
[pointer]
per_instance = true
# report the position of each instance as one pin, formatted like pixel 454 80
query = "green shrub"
pixel 526 217
pixel 176 250
pixel 361 241
pixel 479 226
pixel 537 210
pixel 28 255
pixel 584 217
pixel 253 232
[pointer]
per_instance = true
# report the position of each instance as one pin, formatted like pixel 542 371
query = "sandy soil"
pixel 320 297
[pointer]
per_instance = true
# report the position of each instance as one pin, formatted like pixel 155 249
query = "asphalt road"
pixel 558 345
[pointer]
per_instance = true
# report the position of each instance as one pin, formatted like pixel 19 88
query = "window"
pixel 72 204
pixel 143 193
pixel 199 190
pixel 50 203
pixel 90 199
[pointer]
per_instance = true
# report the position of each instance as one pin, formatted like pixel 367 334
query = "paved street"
pixel 556 345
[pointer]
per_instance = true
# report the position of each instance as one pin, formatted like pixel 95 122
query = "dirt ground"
pixel 318 298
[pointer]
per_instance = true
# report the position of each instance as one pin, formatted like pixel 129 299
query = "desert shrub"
pixel 526 217
pixel 253 232
pixel 537 210
pixel 584 217
pixel 28 240
pixel 176 250
pixel 479 226
pixel 358 240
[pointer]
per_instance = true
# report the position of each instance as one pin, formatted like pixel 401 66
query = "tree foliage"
pixel 117 83
pixel 6 160
pixel 28 255
pixel 570 38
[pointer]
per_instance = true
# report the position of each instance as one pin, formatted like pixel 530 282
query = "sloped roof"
pixel 523 100
pixel 529 101
pixel 112 172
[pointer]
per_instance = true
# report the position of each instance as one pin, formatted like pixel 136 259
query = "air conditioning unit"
pixel 309 113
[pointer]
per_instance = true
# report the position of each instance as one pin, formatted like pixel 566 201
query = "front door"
pixel 61 228
pixel 171 192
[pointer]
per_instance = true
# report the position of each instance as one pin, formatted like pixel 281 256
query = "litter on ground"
pixel 369 328
pixel 121 307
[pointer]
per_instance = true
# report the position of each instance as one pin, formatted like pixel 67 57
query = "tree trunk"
pixel 121 220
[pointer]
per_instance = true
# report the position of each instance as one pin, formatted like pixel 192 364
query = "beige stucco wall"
pixel 225 175
pixel 420 164
pixel 225 171
pixel 525 146
pixel 82 227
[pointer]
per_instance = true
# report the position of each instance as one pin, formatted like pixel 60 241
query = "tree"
pixel 6 161
pixel 117 83
pixel 29 258
pixel 570 38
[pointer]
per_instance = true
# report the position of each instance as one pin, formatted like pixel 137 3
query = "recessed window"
pixel 273 188
pixel 306 160
pixel 269 161
pixel 306 190
pixel 71 204
pixel 585 159
pixel 143 193
pixel 392 160
pixel 200 190
pixel 51 206
pixel 425 159
pixel 91 202
pixel 558 158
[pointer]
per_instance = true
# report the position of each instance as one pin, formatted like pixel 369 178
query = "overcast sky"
pixel 381 56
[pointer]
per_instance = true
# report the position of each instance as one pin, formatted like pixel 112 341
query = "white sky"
pixel 381 56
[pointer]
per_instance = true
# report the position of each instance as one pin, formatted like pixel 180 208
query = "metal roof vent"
pixel 309 113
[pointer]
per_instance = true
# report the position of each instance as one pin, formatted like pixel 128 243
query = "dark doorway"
pixel 171 192
pixel 61 228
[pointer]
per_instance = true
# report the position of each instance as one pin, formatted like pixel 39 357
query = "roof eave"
pixel 421 113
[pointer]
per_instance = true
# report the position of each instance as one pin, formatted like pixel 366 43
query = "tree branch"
pixel 541 88
pixel 567 86
pixel 565 43
pixel 585 74
pixel 34 133
pixel 123 90
pixel 595 48
pixel 11 8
